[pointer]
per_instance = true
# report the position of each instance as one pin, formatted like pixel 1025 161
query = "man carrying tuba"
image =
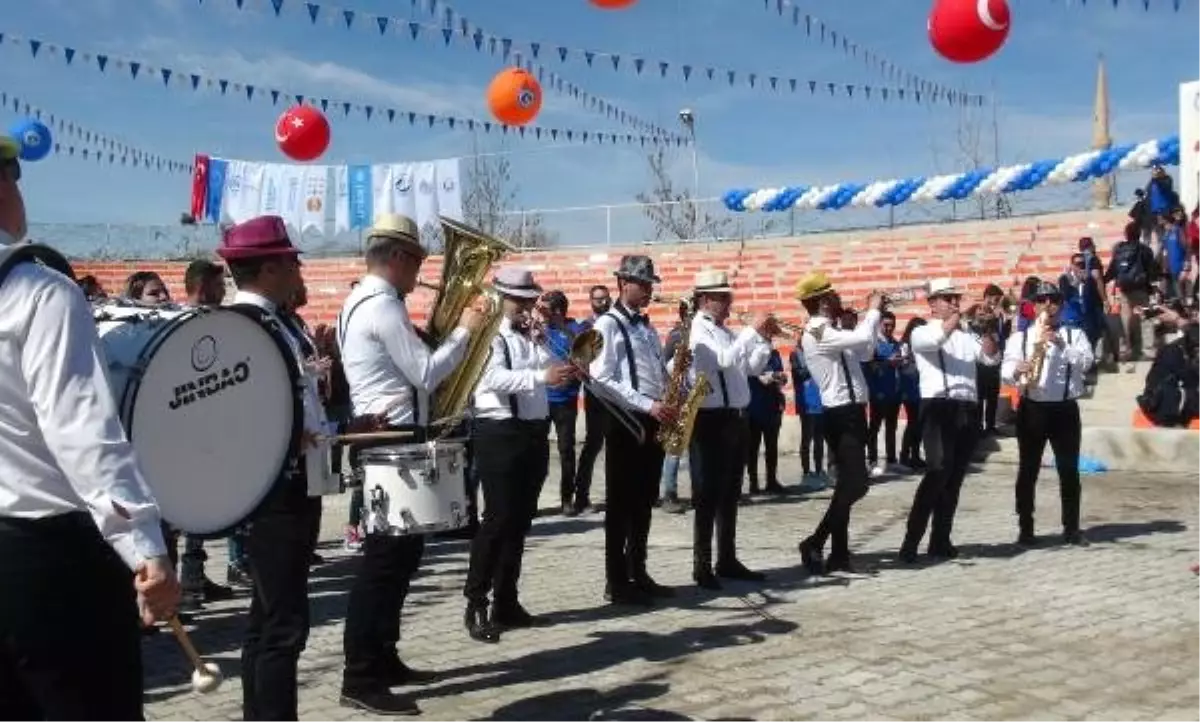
pixel 390 371
pixel 630 370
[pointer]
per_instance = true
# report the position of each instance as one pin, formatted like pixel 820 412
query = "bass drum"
pixel 210 399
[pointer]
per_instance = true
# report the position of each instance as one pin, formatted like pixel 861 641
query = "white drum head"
pixel 212 417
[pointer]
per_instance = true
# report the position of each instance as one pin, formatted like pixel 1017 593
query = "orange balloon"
pixel 613 4
pixel 514 96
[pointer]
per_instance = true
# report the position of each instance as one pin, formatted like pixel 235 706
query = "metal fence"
pixel 598 226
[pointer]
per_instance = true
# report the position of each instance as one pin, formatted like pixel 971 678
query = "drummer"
pixel 266 270
pixel 76 516
pixel 391 371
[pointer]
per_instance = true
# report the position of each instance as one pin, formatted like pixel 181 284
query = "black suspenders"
pixel 633 377
pixel 344 324
pixel 512 398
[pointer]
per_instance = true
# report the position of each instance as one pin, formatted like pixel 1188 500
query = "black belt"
pixel 71 522
pixel 725 411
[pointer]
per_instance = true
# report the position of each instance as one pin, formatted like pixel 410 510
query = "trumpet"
pixel 747 319
pixel 902 295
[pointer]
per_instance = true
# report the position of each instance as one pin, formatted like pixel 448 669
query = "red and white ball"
pixel 968 31
pixel 302 133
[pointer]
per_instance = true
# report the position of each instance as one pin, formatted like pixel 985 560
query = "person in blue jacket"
pixel 810 411
pixel 910 396
pixel 767 403
pixel 883 382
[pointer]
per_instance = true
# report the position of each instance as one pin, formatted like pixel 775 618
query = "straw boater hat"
pixel 710 281
pixel 941 288
pixel 516 282
pixel 814 285
pixel 396 227
pixel 261 237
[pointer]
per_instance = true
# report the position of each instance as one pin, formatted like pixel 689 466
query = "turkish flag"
pixel 199 185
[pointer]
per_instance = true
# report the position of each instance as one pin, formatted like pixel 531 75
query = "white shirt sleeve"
pixel 833 341
pixel 607 369
pixel 1013 352
pixel 421 367
pixel 1079 352
pixel 928 338
pixel 63 366
pixel 499 380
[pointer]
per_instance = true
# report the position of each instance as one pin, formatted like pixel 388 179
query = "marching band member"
pixel 512 456
pixel 946 358
pixel 721 432
pixel 266 270
pixel 834 357
pixel 1049 411
pixel 390 370
pixel 630 369
pixel 80 541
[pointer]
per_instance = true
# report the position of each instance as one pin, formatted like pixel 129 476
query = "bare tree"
pixel 490 204
pixel 674 213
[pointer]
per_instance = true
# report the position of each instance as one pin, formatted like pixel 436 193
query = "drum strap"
pixel 36 253
pixel 344 325
pixel 512 398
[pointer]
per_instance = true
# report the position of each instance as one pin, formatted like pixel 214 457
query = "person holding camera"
pixel 1170 397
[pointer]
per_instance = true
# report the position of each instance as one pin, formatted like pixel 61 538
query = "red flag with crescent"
pixel 199 185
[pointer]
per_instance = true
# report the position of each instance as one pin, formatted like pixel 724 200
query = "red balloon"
pixel 613 4
pixel 302 133
pixel 967 31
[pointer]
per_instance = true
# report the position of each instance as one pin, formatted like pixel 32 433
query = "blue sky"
pixel 1044 80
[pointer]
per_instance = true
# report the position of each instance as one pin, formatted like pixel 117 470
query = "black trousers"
pixel 595 419
pixel 812 442
pixel 884 415
pixel 280 546
pixel 1059 423
pixel 846 434
pixel 763 436
pixel 373 613
pixel 987 385
pixel 951 431
pixel 563 417
pixel 512 457
pixel 70 648
pixel 632 472
pixel 719 438
pixel 910 444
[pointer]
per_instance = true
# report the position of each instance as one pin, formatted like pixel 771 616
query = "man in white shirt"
pixel 834 357
pixel 80 541
pixel 630 370
pixel 720 432
pixel 265 266
pixel 512 456
pixel 1048 410
pixel 390 370
pixel 946 356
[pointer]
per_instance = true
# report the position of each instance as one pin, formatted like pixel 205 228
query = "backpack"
pixel 18 253
pixel 1130 266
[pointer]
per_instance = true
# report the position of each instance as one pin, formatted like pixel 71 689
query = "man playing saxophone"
pixel 390 371
pixel 720 434
pixel 630 370
pixel 1048 363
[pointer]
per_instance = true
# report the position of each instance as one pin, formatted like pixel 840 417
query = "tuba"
pixel 469 253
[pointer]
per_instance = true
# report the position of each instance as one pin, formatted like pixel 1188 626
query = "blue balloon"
pixel 34 137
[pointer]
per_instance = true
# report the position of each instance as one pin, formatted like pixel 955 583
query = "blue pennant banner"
pixel 75 140
pixel 252 92
pixel 448 27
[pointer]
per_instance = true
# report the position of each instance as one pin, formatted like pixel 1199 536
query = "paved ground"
pixel 1105 632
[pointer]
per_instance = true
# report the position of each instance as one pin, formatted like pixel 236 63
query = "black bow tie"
pixel 639 319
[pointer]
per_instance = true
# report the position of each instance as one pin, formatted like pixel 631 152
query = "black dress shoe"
pixel 942 551
pixel 1027 539
pixel 316 560
pixel 515 616
pixel 381 703
pixel 628 595
pixel 737 570
pixel 480 626
pixel 214 592
pixel 705 579
pixel 839 564
pixel 811 556
pixel 238 575
pixel 774 487
pixel 1075 538
pixel 402 674
pixel 645 584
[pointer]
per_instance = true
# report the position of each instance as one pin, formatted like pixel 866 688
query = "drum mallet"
pixel 206 676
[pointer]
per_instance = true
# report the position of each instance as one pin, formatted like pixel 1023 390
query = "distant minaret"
pixel 1104 191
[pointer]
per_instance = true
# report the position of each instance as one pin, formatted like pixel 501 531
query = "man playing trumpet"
pixel 727 361
pixel 834 357
pixel 1048 410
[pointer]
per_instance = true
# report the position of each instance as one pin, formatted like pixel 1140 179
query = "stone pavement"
pixel 1104 632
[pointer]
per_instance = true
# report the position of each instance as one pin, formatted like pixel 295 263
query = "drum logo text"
pixel 210 384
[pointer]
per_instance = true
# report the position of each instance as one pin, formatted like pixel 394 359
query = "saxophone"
pixel 1037 358
pixel 685 401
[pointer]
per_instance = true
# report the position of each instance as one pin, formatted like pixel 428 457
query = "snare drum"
pixel 210 400
pixel 414 489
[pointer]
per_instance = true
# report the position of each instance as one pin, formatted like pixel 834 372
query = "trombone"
pixel 585 347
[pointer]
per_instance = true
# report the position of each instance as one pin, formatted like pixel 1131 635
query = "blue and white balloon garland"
pixel 957 186
pixel 34 137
